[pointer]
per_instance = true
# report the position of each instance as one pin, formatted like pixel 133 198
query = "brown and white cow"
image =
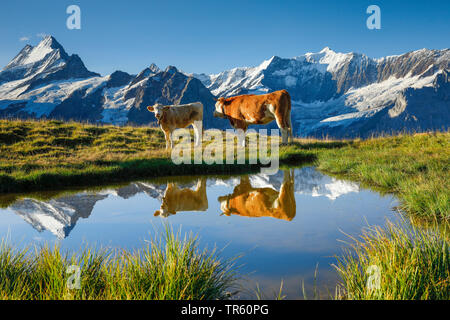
pixel 248 109
pixel 179 116
pixel 176 199
pixel 261 202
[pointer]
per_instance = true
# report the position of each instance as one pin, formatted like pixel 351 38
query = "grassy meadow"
pixel 51 155
pixel 48 155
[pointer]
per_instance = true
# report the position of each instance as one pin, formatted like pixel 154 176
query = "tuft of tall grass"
pixel 396 262
pixel 170 267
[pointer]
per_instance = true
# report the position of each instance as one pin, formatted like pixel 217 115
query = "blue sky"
pixel 211 36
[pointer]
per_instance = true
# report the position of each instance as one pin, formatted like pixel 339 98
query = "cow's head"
pixel 163 212
pixel 224 207
pixel 158 110
pixel 220 108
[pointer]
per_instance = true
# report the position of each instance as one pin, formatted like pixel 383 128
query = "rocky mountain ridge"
pixel 340 95
pixel 350 94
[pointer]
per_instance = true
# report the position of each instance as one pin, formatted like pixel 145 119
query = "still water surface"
pixel 284 225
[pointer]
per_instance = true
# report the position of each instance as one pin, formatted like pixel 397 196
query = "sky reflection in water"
pixel 283 224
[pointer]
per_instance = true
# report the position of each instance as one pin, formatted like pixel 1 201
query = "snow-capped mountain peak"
pixel 154 68
pixel 48 49
pixel 332 60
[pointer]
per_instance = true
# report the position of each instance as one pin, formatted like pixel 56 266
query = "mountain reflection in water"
pixel 253 196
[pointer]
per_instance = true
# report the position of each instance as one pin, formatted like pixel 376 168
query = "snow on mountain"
pixel 334 92
pixel 45 82
pixel 40 78
pixel 45 62
pixel 47 55
pixel 59 215
pixel 280 72
pixel 339 95
pixel 307 181
pixel 32 55
pixel 374 97
pixel 326 59
pixel 232 82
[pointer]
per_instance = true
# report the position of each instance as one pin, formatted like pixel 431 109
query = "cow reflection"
pixel 261 202
pixel 176 199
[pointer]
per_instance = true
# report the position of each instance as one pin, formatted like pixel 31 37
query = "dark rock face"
pixel 308 84
pixel 169 87
pixel 118 79
pixel 422 62
pixel 359 71
pixel 415 110
pixel 80 106
pixel 14 110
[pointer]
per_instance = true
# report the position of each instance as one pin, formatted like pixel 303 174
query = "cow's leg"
pixel 291 136
pixel 170 140
pixel 283 128
pixel 167 136
pixel 240 125
pixel 284 136
pixel 201 184
pixel 197 133
pixel 241 134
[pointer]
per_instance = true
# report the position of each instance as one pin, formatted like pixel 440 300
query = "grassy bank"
pixel 47 155
pixel 169 268
pixel 416 168
pixel 396 262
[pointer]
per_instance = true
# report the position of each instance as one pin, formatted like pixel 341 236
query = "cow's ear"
pixel 151 109
pixel 215 99
pixel 157 213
